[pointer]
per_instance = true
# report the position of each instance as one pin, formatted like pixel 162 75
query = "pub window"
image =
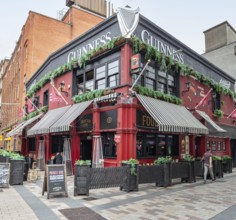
pixel 140 80
pixel 36 101
pixel 89 81
pixel 213 146
pixel 219 146
pixel 84 82
pixel 215 101
pixel 162 84
pixel 57 143
pixel 32 144
pixel 45 98
pixel 150 80
pixel 139 145
pixel 150 145
pixel 113 74
pixel 109 145
pixel 223 146
pixel 208 145
pixel 101 77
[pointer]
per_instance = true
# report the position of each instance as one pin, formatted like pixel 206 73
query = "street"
pixel 195 201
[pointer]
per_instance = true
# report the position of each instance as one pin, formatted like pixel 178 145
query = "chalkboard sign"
pixel 4 174
pixel 55 180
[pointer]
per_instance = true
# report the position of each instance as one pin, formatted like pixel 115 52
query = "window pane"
pixel 89 81
pixel 100 72
pixel 150 145
pixel 113 68
pixel 162 74
pixel 113 80
pixel 150 83
pixel 101 84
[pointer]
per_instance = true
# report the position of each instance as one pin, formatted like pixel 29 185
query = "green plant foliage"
pixel 163 160
pixel 216 158
pixel 83 162
pixel 158 95
pixel 218 113
pixel 188 157
pixel 132 162
pixel 225 158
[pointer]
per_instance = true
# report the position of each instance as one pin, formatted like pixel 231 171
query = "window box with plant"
pixel 130 181
pixel 191 167
pixel 82 177
pixel 217 166
pixel 165 163
pixel 17 169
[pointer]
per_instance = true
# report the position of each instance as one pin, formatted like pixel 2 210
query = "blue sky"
pixel 185 20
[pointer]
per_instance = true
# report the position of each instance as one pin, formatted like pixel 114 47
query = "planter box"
pixel 218 168
pixel 4 159
pixel 130 181
pixel 81 180
pixel 165 177
pixel 198 168
pixel 227 166
pixel 16 172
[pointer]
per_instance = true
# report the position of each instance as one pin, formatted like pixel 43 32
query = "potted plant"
pixel 227 164
pixel 82 177
pixel 16 169
pixel 217 166
pixel 130 181
pixel 165 163
pixel 191 162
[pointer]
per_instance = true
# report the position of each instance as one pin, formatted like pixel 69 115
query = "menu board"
pixel 55 180
pixel 4 175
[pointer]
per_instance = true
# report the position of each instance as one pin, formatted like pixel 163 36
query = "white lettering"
pixel 161 46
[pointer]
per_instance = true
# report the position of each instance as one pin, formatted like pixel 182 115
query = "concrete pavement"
pixel 195 201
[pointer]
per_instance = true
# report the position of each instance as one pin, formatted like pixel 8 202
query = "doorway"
pixel 86 150
pixel 233 151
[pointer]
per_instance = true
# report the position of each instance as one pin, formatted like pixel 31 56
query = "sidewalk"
pixel 193 201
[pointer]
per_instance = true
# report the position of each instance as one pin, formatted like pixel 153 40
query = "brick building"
pixel 40 36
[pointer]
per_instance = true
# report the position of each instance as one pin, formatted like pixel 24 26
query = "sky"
pixel 185 20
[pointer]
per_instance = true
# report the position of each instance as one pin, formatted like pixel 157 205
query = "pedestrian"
pixel 30 159
pixel 58 158
pixel 207 161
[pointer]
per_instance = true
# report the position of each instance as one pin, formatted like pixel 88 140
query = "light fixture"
pixel 188 85
pixel 62 87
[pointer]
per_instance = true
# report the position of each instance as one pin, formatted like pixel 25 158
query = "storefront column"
pixel 75 145
pixel 126 148
pixel 47 141
pixel 227 146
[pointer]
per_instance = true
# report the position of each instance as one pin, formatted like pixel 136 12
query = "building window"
pixel 213 146
pixel 57 143
pixel 215 101
pixel 109 145
pixel 108 75
pixel 150 78
pixel 208 145
pixel 223 146
pixel 101 77
pixel 32 144
pixel 45 98
pixel 219 146
pixel 85 82
pixel 153 145
pixel 113 71
pixel 36 102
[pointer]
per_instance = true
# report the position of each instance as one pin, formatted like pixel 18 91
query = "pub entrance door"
pixel 86 147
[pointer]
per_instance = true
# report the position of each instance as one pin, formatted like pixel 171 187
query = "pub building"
pixel 104 85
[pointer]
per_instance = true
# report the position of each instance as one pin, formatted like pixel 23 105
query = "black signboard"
pixel 4 175
pixel 85 123
pixel 108 119
pixel 55 180
pixel 144 120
